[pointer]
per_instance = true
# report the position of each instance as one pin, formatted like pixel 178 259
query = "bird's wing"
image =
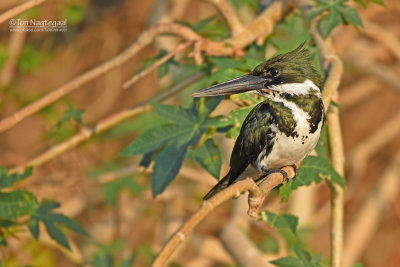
pixel 253 137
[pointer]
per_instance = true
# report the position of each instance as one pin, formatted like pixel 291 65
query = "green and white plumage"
pixel 284 128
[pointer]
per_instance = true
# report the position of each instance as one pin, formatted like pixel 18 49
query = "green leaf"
pixel 33 226
pixel 103 259
pixel 228 63
pixel 17 203
pixel 3 55
pixel 128 262
pixel 285 191
pixel 336 105
pixel 317 258
pixel 304 259
pixel 139 124
pixel 56 234
pixel 46 206
pixel 198 25
pixel 237 118
pixel 209 157
pixel 379 2
pixel 322 147
pixel 252 3
pixel 283 221
pixel 166 167
pixel 9 180
pixel 329 22
pixel 72 114
pixel 154 138
pixel 287 262
pixel 317 10
pixel 74 13
pixel 350 15
pixel 112 189
pixel 311 170
pixel 217 122
pixel 66 221
pixel 223 75
pixel 3 242
pixel 7 223
pixel 163 70
pixel 208 106
pixel 357 265
pixel 303 255
pixel 30 59
pixel 177 115
pixel 362 3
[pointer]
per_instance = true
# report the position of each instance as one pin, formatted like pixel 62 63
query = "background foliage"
pixel 100 184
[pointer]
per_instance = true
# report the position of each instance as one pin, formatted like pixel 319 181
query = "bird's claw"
pixel 284 174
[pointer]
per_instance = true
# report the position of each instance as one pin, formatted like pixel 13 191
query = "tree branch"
pixel 144 39
pixel 261 26
pixel 19 9
pixel 154 66
pixel 365 224
pixel 337 192
pixel 229 15
pixel 86 133
pixel 335 71
pixel 15 46
pixel 257 193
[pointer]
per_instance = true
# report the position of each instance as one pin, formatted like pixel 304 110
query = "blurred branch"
pixel 159 62
pixel 143 40
pixel 236 242
pixel 364 226
pixel 358 91
pixel 337 193
pixel 334 68
pixel 382 36
pixel 19 9
pixel 86 133
pixel 358 55
pixel 15 46
pixel 256 194
pixel 381 137
pixel 229 15
pixel 261 26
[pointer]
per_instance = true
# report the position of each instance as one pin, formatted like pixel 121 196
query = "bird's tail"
pixel 221 185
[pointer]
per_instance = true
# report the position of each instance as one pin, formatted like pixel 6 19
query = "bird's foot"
pixel 268 172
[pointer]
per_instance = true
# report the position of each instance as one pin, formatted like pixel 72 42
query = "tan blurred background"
pixel 370 101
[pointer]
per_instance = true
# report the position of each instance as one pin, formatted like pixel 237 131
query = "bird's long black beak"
pixel 238 85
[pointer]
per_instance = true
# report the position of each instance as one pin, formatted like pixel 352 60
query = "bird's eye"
pixel 274 71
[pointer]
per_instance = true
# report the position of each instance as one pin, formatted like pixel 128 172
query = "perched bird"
pixel 284 128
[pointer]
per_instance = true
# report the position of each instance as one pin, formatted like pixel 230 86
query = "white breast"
pixel 288 150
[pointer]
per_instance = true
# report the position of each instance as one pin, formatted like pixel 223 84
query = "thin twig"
pixel 19 9
pixel 105 124
pixel 159 62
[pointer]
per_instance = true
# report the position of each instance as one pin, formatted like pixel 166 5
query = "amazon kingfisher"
pixel 284 128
